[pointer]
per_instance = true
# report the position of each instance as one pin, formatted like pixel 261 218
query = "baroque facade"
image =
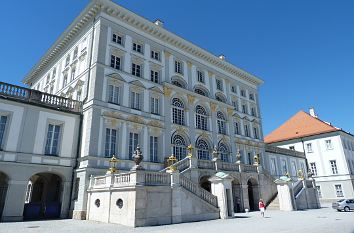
pixel 143 85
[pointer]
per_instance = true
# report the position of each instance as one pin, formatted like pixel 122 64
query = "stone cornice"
pixel 143 25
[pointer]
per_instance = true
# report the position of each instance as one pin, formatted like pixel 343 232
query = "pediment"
pixel 137 83
pixel 156 89
pixel 116 76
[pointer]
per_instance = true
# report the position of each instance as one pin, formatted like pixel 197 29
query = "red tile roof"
pixel 300 125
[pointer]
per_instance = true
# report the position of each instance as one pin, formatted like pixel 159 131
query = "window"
pixel 178 67
pixel 154 105
pixel 244 108
pixel 334 167
pixel 67 61
pixel 219 85
pixel 237 128
pixel 177 111
pixel 291 147
pixel 115 62
pixel 253 111
pixel 200 76
pixel 201 118
pixel 249 156
pixel 284 167
pixel 179 147
pixel 154 76
pixel 78 95
pixel 113 94
pixel 155 55
pixel 136 70
pixel 313 168
pixel 221 120
pixel 273 166
pixel 233 89
pixel 251 97
pixel 243 93
pixel 48 78
pixel 135 100
pixel 255 133
pixel 224 152
pixel 73 71
pixel 138 47
pixel 51 147
pixel 203 150
pixel 110 144
pixel 319 191
pixel 220 98
pixel 309 147
pixel 247 133
pixel 54 72
pixel 339 191
pixel 117 39
pixel 293 168
pixel 65 79
pixel 235 104
pixel 3 120
pixel 133 143
pixel 200 92
pixel 153 149
pixel 51 89
pixel 329 145
pixel 76 51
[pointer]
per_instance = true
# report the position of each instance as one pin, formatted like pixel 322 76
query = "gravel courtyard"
pixel 324 220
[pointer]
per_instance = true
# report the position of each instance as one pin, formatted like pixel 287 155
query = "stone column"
pixel 245 199
pixel 65 199
pixel 15 201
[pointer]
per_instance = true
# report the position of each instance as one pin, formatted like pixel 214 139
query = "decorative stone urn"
pixel 137 157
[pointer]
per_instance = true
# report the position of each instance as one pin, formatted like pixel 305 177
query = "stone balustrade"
pixel 229 166
pixel 41 98
pixel 248 168
pixel 206 164
pixel 197 190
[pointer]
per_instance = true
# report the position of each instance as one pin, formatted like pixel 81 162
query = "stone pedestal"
pixel 286 196
pixel 222 188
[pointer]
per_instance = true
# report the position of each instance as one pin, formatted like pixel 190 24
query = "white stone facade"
pixel 144 85
pixel 38 149
pixel 330 157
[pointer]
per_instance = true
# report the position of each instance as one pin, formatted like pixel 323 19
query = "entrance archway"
pixel 43 197
pixel 205 183
pixel 4 179
pixel 237 196
pixel 253 195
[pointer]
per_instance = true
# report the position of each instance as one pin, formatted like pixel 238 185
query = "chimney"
pixel 158 23
pixel 222 57
pixel 313 113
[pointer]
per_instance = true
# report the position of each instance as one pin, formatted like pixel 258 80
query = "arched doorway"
pixel 4 179
pixel 253 195
pixel 43 197
pixel 237 196
pixel 205 183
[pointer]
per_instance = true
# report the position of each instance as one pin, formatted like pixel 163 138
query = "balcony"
pixel 26 95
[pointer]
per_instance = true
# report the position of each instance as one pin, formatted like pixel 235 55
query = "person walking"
pixel 261 206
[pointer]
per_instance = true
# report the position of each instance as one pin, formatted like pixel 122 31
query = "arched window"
pixel 177 83
pixel 220 98
pixel 76 51
pixel 177 111
pixel 221 122
pixel 179 147
pixel 201 118
pixel 200 92
pixel 224 152
pixel 203 150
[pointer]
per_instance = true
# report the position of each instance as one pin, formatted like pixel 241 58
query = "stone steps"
pixel 274 205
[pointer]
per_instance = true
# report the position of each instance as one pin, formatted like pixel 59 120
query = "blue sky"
pixel 303 50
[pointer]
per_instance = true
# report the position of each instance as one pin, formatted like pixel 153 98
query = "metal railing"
pixel 33 96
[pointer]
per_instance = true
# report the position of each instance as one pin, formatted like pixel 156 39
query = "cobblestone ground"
pixel 325 220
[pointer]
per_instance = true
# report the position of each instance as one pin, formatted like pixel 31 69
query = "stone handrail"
pixel 198 191
pixel 297 186
pixel 33 96
pixel 181 165
pixel 206 164
pixel 229 166
pixel 156 178
pixel 248 168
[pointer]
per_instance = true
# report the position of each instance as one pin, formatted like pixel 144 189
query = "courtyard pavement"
pixel 324 220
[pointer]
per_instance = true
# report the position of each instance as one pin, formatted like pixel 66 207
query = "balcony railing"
pixel 36 97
